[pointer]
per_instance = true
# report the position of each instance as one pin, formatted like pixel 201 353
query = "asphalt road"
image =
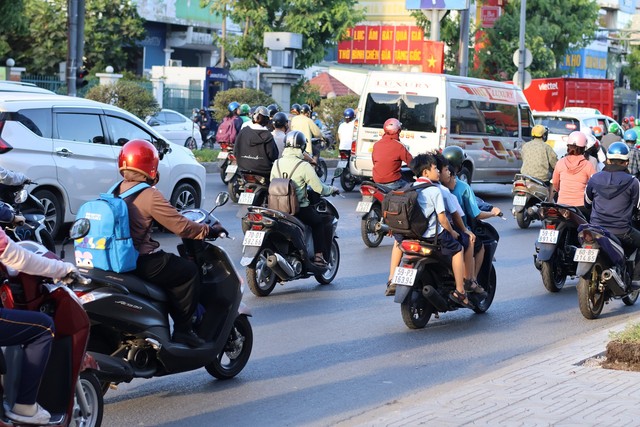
pixel 323 354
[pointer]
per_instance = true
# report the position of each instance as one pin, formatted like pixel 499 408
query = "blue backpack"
pixel 108 246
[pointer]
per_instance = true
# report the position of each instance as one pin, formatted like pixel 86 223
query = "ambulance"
pixel 489 120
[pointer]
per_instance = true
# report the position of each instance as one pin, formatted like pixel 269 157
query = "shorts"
pixel 449 246
pixel 463 239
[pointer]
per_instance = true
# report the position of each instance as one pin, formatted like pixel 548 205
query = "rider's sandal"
pixel 460 298
pixel 471 285
pixel 319 261
pixel 391 289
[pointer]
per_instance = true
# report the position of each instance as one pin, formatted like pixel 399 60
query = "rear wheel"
pixel 347 181
pixel 233 186
pixel 260 278
pixel 223 171
pixel 591 298
pixel 185 197
pixel 235 354
pixel 53 210
pixel 416 310
pixel 523 219
pixel 334 262
pixel 370 237
pixel 553 276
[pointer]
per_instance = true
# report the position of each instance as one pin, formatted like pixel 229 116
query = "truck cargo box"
pixel 554 94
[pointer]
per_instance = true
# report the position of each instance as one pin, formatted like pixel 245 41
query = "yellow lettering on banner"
pixel 401 36
pixel 372 55
pixel 357 54
pixel 401 55
pixel 416 35
pixel 387 35
pixel 344 54
pixel 415 55
pixel 385 55
pixel 359 35
pixel 373 34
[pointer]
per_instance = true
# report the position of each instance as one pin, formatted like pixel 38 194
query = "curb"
pixel 212 167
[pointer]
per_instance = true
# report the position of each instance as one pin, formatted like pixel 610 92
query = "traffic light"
pixel 80 81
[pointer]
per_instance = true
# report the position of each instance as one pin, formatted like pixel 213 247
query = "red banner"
pixel 382 44
pixel 433 57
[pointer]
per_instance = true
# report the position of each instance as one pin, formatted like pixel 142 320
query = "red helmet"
pixel 392 126
pixel 140 156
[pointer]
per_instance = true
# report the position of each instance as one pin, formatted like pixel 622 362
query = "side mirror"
pixel 21 196
pixel 80 228
pixel 153 123
pixel 222 198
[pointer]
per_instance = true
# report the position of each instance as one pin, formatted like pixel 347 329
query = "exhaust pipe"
pixel 614 281
pixel 381 227
pixel 436 300
pixel 280 266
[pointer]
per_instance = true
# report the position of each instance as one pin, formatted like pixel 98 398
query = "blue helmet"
pixel 619 150
pixel 630 136
pixel 349 113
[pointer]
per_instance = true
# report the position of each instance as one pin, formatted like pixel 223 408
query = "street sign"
pixel 437 4
pixel 527 79
pixel 528 57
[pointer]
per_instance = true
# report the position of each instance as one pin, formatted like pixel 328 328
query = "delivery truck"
pixel 555 94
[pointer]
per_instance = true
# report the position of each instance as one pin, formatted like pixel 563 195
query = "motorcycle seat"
pixel 381 187
pixel 277 214
pixel 131 282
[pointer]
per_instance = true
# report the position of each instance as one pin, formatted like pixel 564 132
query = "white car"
pixel 562 123
pixel 68 147
pixel 176 128
pixel 11 86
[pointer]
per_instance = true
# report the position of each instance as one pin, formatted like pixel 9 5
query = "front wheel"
pixel 235 354
pixel 553 276
pixel 369 236
pixel 490 288
pixel 631 298
pixel 347 181
pixel 591 298
pixel 523 219
pixel 89 386
pixel 260 278
pixel 416 310
pixel 46 240
pixel 334 262
pixel 321 170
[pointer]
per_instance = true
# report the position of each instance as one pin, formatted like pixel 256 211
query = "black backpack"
pixel 402 212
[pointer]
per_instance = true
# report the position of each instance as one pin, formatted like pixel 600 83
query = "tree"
pixel 321 23
pixel 250 97
pixel 632 70
pixel 12 24
pixel 554 27
pixel 303 92
pixel 127 95
pixel 331 110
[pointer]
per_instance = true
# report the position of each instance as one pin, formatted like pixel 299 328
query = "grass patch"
pixel 630 334
pixel 206 155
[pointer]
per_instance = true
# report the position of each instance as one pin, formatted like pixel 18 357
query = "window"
pixel 37 120
pixel 122 131
pixel 417 113
pixel 483 118
pixel 80 127
pixel 173 118
pixel 560 125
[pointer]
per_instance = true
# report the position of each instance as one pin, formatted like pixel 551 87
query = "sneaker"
pixel 188 337
pixel 41 417
pixel 391 289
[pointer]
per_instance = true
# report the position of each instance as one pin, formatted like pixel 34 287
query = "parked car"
pixel 177 128
pixel 69 148
pixel 562 123
pixel 11 86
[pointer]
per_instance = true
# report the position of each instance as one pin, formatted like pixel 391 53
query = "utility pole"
pixel 523 24
pixel 72 46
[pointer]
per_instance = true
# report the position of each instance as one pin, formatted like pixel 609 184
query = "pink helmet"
pixel 392 126
pixel 577 138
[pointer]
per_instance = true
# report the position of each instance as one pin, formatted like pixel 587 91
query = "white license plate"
pixel 364 206
pixel 548 236
pixel 586 255
pixel 246 198
pixel 223 155
pixel 253 238
pixel 231 169
pixel 519 200
pixel 342 164
pixel 404 276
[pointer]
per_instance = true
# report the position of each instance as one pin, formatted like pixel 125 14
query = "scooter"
pixel 606 272
pixel 425 280
pixel 34 228
pixel 347 180
pixel 130 317
pixel 255 190
pixel 557 243
pixel 235 183
pixel 225 161
pixel 527 192
pixel 70 389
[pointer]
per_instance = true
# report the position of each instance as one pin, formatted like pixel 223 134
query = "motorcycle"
pixel 425 280
pixel 557 243
pixel 70 389
pixel 347 180
pixel 22 203
pixel 225 160
pixel 235 183
pixel 527 192
pixel 278 247
pixel 606 272
pixel 130 318
pixel 255 192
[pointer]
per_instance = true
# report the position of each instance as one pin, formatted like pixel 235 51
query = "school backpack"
pixel 402 212
pixel 108 246
pixel 226 131
pixel 282 192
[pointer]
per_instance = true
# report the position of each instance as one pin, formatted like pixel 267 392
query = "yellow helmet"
pixel 538 131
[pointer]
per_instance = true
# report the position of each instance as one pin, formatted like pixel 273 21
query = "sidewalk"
pixel 549 388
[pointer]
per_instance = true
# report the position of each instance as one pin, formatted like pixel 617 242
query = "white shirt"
pixel 345 135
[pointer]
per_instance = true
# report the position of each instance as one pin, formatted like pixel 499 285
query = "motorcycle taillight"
pixel 550 226
pixel 413 246
pixel 344 155
pixel 254 217
pixel 367 190
pixel 4 145
pixel 519 184
pixel 6 296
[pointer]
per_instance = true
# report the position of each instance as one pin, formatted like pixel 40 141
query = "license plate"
pixel 364 206
pixel 231 169
pixel 253 238
pixel 246 198
pixel 342 164
pixel 519 200
pixel 548 236
pixel 223 155
pixel 586 255
pixel 404 276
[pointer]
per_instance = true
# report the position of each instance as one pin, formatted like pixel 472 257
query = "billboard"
pixel 437 4
pixel 382 44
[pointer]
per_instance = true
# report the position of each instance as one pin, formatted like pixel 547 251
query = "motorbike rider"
pixel 630 138
pixel 272 109
pixel 305 175
pixel 615 134
pixel 572 173
pixel 303 123
pixel 204 124
pixel 294 111
pixel 244 111
pixel 255 149
pixel 345 131
pixel 280 122
pixel 388 155
pixel 138 162
pixel 538 158
pixel 32 330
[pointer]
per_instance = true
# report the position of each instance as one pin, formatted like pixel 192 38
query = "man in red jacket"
pixel 388 155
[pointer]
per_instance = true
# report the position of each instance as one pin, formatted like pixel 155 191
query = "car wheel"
pixel 191 143
pixel 185 196
pixel 53 210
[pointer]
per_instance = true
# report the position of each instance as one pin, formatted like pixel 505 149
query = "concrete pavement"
pixel 548 388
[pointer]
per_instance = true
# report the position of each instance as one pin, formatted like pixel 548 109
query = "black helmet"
pixel 295 108
pixel 280 120
pixel 273 109
pixel 260 115
pixel 455 155
pixel 295 139
pixel 305 109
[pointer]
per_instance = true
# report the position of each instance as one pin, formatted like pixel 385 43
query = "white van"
pixel 485 118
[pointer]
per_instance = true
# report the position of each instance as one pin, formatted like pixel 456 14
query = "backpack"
pixel 282 192
pixel 402 212
pixel 226 131
pixel 108 246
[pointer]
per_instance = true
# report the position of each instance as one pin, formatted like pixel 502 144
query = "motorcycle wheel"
pixel 416 310
pixel 223 171
pixel 321 170
pixel 233 186
pixel 490 287
pixel 334 262
pixel 631 298
pixel 93 395
pixel 260 278
pixel 235 354
pixel 590 299
pixel 523 219
pixel 347 181
pixel 553 276
pixel 370 237
pixel 47 240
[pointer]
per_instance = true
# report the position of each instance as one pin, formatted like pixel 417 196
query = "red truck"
pixel 554 94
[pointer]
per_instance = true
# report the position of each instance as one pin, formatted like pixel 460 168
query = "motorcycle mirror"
pixel 221 199
pixel 80 228
pixel 21 196
pixel 337 172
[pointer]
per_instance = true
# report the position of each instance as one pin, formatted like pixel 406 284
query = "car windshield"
pixel 559 125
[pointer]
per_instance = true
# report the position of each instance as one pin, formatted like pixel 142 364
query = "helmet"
pixel 631 119
pixel 614 128
pixel 140 156
pixel 280 120
pixel 295 139
pixel 540 131
pixel 314 115
pixel 597 131
pixel 392 126
pixel 577 138
pixel 455 155
pixel 295 108
pixel 618 150
pixel 273 109
pixel 630 136
pixel 349 113
pixel 260 115
pixel 233 106
pixel 245 109
pixel 305 109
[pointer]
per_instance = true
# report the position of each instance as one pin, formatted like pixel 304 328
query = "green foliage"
pixel 331 110
pixel 449 34
pixel 553 28
pixel 633 69
pixel 630 334
pixel 127 95
pixel 12 24
pixel 206 155
pixel 243 96
pixel 303 92
pixel 321 23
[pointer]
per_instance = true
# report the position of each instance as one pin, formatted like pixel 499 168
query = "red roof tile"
pixel 328 83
